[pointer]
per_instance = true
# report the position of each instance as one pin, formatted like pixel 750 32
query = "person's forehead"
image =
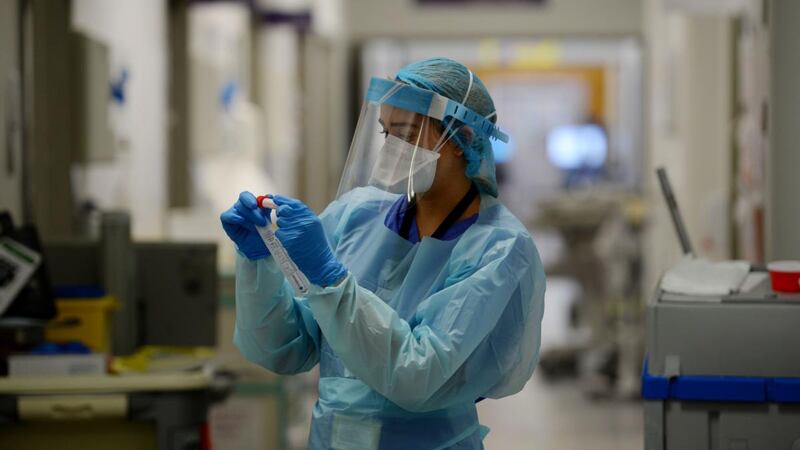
pixel 391 114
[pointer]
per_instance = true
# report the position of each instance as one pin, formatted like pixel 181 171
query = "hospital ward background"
pixel 653 155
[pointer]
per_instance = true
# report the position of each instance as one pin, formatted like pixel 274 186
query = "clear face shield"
pixel 398 138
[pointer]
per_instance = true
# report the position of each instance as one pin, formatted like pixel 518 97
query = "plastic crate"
pixel 87 320
pixel 720 412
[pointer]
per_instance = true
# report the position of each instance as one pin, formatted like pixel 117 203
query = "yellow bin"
pixel 85 320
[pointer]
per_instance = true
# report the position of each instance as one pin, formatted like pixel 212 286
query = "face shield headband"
pixel 433 105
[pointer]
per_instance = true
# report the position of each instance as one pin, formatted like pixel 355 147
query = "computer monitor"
pixel 34 301
pixel 577 147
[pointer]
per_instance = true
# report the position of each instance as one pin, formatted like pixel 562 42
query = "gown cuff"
pixel 337 287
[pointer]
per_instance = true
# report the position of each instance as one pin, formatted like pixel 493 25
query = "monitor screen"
pixel 575 147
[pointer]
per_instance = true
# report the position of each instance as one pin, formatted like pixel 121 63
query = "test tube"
pixel 290 270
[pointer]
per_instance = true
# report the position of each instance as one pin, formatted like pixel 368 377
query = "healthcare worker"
pixel 427 293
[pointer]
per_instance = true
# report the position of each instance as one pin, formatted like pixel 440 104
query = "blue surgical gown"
pixel 412 336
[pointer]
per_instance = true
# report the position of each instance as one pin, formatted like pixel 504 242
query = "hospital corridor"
pixel 399 224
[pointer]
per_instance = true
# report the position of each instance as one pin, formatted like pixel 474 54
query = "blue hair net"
pixel 451 79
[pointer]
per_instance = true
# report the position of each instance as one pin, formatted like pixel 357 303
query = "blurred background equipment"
pixel 65 374
pixel 601 234
pixel 170 289
pixel 26 293
pixel 17 265
pixel 675 213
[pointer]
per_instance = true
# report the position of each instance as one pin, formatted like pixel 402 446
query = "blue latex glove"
pixel 239 223
pixel 301 233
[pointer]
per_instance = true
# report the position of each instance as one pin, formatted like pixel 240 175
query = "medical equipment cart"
pixel 159 411
pixel 723 372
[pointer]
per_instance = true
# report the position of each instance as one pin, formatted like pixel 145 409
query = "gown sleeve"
pixel 275 329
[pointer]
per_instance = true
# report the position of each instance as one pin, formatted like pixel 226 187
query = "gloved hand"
pixel 239 223
pixel 301 233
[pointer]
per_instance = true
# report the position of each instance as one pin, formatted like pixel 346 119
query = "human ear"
pixel 454 148
pixel 467 135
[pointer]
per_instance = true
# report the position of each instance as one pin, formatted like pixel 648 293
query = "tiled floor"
pixel 559 417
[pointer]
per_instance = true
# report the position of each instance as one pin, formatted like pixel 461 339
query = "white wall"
pixel 396 18
pixel 10 113
pixel 135 33
pixel 278 50
pixel 783 167
pixel 689 97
